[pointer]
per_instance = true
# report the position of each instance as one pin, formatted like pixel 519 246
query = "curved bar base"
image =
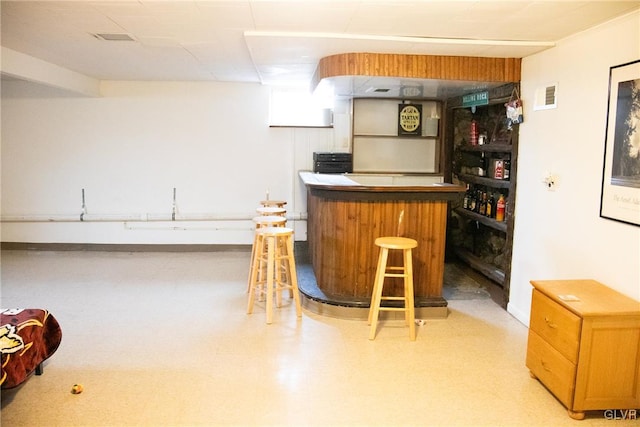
pixel 345 218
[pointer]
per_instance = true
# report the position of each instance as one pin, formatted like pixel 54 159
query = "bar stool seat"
pixel 273 203
pixel 274 254
pixel 271 211
pixel 383 271
pixel 269 221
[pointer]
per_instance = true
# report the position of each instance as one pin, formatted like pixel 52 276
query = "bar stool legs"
pixel 262 221
pixel 274 253
pixel 383 271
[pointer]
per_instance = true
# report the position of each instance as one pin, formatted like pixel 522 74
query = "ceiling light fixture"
pixel 114 37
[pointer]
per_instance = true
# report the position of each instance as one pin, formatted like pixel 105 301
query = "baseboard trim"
pixel 109 247
pixel 518 314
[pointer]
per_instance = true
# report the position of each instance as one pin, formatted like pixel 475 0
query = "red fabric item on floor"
pixel 28 337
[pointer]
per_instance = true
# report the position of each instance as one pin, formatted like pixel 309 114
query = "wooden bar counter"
pixel 345 216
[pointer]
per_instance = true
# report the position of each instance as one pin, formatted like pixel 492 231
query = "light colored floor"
pixel 162 339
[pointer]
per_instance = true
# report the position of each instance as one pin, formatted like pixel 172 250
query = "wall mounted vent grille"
pixel 546 97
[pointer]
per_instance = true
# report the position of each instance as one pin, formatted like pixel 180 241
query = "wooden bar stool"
pixel 383 271
pixel 269 221
pixel 273 203
pixel 262 221
pixel 274 253
pixel 271 211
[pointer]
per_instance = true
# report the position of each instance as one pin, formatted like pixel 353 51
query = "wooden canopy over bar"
pixel 419 67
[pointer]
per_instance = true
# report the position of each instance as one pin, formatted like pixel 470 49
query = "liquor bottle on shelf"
pixel 482 170
pixel 483 204
pixel 507 169
pixel 500 208
pixel 473 134
pixel 491 203
pixel 467 196
pixel 472 200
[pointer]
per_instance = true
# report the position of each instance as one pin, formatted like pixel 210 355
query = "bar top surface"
pixel 346 182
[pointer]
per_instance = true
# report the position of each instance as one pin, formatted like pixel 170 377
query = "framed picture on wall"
pixel 620 196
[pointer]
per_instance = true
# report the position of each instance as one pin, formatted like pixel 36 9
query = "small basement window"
pixel 294 107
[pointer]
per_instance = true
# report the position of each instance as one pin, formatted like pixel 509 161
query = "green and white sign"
pixel 473 99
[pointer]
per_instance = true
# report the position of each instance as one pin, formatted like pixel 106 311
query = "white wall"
pixel 559 234
pixel 129 148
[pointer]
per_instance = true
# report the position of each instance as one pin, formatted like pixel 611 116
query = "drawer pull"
pixel 544 366
pixel 549 323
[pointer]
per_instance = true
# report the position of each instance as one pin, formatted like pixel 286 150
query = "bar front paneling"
pixel 344 221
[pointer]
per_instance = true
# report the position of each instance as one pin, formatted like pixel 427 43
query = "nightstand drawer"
pixel 556 325
pixel 552 368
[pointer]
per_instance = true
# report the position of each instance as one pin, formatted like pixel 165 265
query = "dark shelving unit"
pixel 481 242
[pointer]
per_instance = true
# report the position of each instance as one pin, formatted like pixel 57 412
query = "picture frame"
pixel 620 193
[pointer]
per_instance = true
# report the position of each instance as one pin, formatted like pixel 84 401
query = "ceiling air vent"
pixel 114 37
pixel 372 89
pixel 546 97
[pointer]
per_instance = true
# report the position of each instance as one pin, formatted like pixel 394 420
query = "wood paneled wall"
pixel 419 66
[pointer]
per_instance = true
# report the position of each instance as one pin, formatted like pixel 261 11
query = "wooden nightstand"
pixel 584 345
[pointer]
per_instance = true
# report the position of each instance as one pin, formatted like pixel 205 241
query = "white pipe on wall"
pixel 145 217
pixel 180 226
